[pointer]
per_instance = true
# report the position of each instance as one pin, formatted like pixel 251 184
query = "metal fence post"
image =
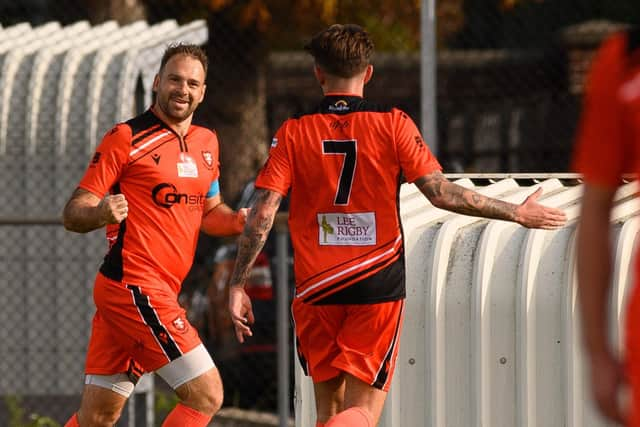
pixel 282 318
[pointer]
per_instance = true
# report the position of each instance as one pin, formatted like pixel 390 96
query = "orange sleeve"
pixel 107 163
pixel 599 153
pixel 415 157
pixel 275 175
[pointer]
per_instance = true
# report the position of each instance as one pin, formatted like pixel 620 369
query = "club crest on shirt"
pixel 187 167
pixel 208 159
pixel 180 324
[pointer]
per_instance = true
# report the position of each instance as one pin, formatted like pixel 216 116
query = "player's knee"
pixel 208 401
pixel 212 400
pixel 204 394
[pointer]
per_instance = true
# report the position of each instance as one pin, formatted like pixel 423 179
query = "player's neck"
pixel 181 127
pixel 353 85
pixel 343 88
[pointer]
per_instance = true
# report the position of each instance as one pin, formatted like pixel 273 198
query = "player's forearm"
pixel 447 195
pixel 221 220
pixel 254 235
pixel 594 270
pixel 82 213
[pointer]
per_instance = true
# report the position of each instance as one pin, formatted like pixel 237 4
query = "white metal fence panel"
pixel 491 335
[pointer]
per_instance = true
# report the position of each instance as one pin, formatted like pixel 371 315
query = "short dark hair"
pixel 341 50
pixel 192 50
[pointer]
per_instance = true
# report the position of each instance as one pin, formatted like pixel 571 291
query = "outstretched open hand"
pixel 532 214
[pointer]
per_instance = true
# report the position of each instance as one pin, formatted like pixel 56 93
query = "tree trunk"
pixel 235 103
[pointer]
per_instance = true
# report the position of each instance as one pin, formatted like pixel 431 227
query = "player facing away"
pixel 160 176
pixel 343 164
pixel 607 147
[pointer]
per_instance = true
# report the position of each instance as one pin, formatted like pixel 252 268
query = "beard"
pixel 173 110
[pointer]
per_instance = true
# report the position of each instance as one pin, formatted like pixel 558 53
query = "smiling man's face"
pixel 180 87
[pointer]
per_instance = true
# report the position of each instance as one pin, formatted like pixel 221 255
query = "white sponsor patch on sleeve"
pixel 347 229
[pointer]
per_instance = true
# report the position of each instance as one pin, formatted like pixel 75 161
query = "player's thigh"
pixel 208 385
pixel 329 397
pixel 100 405
pixel 195 379
pixel 363 395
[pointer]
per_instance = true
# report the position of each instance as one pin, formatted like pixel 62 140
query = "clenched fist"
pixel 113 208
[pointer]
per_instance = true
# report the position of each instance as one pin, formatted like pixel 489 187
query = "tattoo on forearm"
pixel 448 195
pixel 468 202
pixel 251 241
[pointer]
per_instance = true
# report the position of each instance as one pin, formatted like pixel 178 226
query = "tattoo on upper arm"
pixel 431 185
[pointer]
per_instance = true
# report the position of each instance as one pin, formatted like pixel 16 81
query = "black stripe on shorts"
pixel 151 319
pixel 383 374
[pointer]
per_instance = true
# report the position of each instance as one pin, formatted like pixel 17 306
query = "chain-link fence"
pixel 509 84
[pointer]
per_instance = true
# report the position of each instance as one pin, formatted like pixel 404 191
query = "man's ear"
pixel 320 75
pixel 156 83
pixel 204 90
pixel 368 73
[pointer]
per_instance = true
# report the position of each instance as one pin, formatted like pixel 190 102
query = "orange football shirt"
pixel 165 180
pixel 344 164
pixel 608 143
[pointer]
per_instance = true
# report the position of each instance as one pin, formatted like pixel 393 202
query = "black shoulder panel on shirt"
pixel 633 40
pixel 143 122
pixel 341 105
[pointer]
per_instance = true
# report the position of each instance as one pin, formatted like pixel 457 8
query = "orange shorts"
pixel 361 340
pixel 135 330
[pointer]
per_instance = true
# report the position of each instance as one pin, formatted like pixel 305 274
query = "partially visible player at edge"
pixel 344 162
pixel 160 176
pixel 607 147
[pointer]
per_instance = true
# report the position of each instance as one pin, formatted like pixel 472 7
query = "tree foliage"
pixel 287 24
pixel 395 25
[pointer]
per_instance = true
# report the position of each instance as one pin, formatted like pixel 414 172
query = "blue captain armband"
pixel 214 190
